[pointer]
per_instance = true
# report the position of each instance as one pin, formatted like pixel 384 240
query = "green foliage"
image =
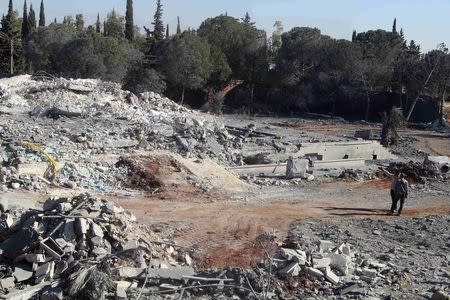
pixel 140 79
pixel 178 26
pixel 79 23
pixel 98 25
pixel 57 49
pixel 42 14
pixel 158 25
pixel 187 61
pixel 129 21
pixel 240 43
pixel 217 104
pixel 32 19
pixel 221 71
pixel 114 25
pixel 25 23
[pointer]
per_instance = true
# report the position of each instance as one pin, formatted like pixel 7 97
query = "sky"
pixel 425 21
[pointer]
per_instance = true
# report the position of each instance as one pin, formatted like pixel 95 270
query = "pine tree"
pixel 129 22
pixel 394 26
pixel 42 15
pixel 55 21
pixel 98 25
pixel 167 32
pixel 247 19
pixel 79 23
pixel 25 23
pixel 158 29
pixel 178 26
pixel 354 36
pixel 32 19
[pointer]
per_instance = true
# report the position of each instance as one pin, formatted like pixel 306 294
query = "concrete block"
pixel 35 258
pixel 127 285
pixel 172 273
pixel 340 262
pixel 45 271
pixel 331 277
pixel 51 293
pixel 37 169
pixel 315 273
pixel 81 227
pixel 7 283
pixel 22 272
pixel 292 269
pixel 64 207
pixel 345 249
pixel 130 245
pixel 121 294
pixel 9 221
pixel 370 273
pixel 321 263
pixel 69 230
pixel 188 259
pixel 96 230
pixel 297 168
pixel 326 246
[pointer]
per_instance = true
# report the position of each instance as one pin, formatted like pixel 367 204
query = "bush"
pixel 217 104
pixel 140 79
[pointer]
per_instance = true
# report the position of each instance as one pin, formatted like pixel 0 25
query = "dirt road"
pixel 223 230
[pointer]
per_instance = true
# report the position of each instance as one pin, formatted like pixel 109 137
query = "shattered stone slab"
pixel 292 269
pixel 315 273
pixel 141 273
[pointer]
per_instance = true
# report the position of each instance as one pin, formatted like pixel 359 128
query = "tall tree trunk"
pixel 368 105
pixel 252 93
pixel 442 114
pixel 182 96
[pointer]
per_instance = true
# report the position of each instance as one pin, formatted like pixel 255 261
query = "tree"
pixel 276 38
pixel 178 26
pixel 25 23
pixel 187 61
pixel 354 36
pixel 68 21
pixel 247 20
pixel 140 79
pixel 32 19
pixel 58 49
pixel 380 50
pixel 129 21
pixel 114 25
pixel 98 25
pixel 42 15
pixel 167 32
pixel 79 23
pixel 238 41
pixel 158 25
pixel 391 122
pixel 11 41
pixel 394 26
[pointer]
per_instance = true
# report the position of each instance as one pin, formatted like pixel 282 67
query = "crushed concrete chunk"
pixel 7 283
pixel 321 263
pixel 314 272
pixel 331 277
pixel 22 272
pixel 173 273
pixel 35 258
pixel 45 271
pixel 292 269
pixel 326 246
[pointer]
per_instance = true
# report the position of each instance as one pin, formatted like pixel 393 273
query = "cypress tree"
pixel 158 29
pixel 129 22
pixel 42 15
pixel 98 25
pixel 354 36
pixel 32 19
pixel 178 26
pixel 167 32
pixel 55 21
pixel 394 26
pixel 25 23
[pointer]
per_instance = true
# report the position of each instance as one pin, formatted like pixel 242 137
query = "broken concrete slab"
pixel 81 227
pixel 315 273
pixel 321 263
pixel 297 168
pixel 46 271
pixel 127 285
pixel 96 230
pixel 35 258
pixel 18 243
pixel 50 293
pixel 7 283
pixel 331 277
pixel 121 294
pixel 69 230
pixel 326 246
pixel 340 262
pixel 141 273
pixel 22 272
pixel 292 269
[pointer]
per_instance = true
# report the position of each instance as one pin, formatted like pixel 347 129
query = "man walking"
pixel 399 192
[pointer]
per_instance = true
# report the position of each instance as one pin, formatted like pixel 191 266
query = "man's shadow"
pixel 352 211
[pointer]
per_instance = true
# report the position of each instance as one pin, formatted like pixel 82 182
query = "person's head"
pixel 401 175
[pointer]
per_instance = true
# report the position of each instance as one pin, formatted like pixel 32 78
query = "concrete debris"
pixel 46 248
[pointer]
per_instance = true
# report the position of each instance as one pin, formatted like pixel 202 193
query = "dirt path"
pixel 223 230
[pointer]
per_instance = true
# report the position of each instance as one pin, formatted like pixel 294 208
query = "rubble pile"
pixel 334 266
pixel 40 250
